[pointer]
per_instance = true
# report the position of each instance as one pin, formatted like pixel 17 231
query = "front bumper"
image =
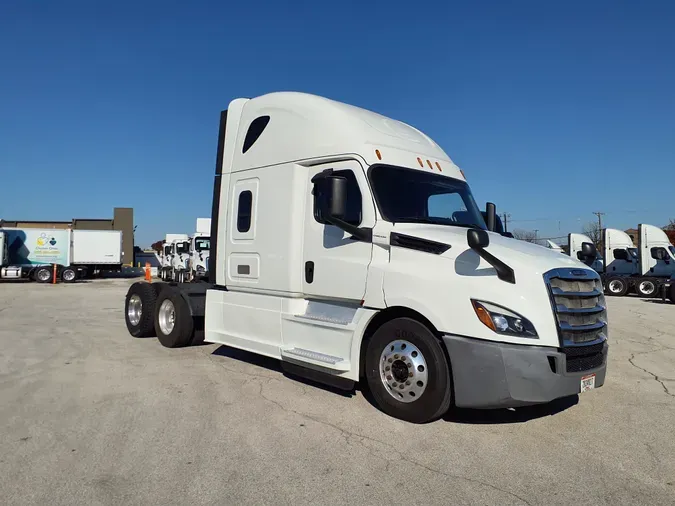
pixel 498 375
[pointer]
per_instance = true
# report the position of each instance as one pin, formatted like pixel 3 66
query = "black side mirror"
pixel 588 253
pixel 491 212
pixel 477 239
pixel 331 193
pixel 588 250
pixel 337 197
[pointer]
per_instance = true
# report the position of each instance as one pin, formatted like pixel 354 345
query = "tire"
pixel 616 286
pixel 173 321
pixel 427 391
pixel 647 287
pixel 44 274
pixel 139 309
pixel 68 275
pixel 671 293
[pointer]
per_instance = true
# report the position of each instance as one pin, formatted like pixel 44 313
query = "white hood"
pixel 517 254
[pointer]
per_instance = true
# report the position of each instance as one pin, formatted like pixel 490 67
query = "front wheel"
pixel 407 371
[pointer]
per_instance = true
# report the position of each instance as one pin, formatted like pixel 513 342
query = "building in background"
pixel 123 219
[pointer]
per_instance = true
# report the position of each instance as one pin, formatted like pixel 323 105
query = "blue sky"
pixel 553 109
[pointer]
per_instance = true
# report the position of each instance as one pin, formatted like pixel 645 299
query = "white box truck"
pixel 33 253
pixel 348 245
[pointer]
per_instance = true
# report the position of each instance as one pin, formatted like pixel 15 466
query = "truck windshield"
pixel 202 244
pixel 413 196
pixel 672 250
pixel 167 250
pixel 182 247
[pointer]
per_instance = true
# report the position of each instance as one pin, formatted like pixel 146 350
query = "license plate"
pixel 587 383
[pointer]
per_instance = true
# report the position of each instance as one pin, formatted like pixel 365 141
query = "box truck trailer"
pixel 349 246
pixel 36 253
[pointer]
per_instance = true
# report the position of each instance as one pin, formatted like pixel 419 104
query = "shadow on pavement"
pixel 504 416
pixel 272 364
pixel 455 415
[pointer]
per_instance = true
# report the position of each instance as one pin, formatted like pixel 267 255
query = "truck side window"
pixel 244 208
pixel 354 212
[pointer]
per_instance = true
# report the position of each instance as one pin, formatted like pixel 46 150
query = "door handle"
pixel 309 272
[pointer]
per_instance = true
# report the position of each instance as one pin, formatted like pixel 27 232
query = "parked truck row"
pixel 41 254
pixel 185 258
pixel 349 246
pixel 647 269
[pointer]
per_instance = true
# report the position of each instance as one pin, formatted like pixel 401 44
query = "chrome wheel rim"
pixel 647 287
pixel 615 286
pixel 135 310
pixel 69 275
pixel 167 317
pixel 403 371
pixel 43 275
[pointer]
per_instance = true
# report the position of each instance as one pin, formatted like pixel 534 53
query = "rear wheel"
pixel 69 275
pixel 407 371
pixel 139 309
pixel 671 292
pixel 646 287
pixel 173 320
pixel 44 274
pixel 616 286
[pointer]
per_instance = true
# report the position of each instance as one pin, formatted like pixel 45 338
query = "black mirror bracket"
pixel 478 240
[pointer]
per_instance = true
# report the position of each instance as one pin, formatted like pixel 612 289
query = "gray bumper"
pixel 497 375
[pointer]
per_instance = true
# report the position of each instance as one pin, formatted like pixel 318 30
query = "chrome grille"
pixel 579 306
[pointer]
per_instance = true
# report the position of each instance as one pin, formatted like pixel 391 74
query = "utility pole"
pixel 535 234
pixel 599 215
pixel 506 216
pixel 599 238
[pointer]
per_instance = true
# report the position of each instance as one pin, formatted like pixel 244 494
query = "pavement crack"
pixel 655 376
pixel 353 436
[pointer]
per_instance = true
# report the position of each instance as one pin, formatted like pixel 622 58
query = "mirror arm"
pixel 362 234
pixel 504 272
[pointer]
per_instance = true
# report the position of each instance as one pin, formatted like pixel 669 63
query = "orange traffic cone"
pixel 148 277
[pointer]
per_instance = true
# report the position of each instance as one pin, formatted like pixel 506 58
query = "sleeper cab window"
pixel 255 130
pixel 244 209
pixel 354 207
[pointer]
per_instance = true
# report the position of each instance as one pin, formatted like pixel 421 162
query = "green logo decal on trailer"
pixel 35 247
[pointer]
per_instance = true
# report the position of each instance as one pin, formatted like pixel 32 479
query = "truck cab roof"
pixel 291 126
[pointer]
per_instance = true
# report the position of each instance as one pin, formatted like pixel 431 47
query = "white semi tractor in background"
pixel 624 268
pixel 645 269
pixel 186 258
pixel 349 246
pixel 200 250
pixel 36 254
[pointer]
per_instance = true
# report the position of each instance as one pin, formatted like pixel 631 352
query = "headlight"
pixel 200 267
pixel 503 321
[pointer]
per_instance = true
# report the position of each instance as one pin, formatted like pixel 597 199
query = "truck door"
pixel 335 264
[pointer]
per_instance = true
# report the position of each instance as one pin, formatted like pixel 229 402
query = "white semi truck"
pixel 175 258
pixel 200 246
pixel 33 253
pixel 348 245
pixel 643 269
